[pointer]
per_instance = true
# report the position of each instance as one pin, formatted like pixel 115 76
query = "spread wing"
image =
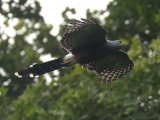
pixel 82 34
pixel 112 66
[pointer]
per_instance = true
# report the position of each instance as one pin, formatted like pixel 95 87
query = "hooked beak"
pixel 117 44
pixel 122 45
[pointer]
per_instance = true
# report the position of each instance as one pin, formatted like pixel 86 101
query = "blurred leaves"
pixel 80 95
pixel 127 19
pixel 24 38
pixel 77 94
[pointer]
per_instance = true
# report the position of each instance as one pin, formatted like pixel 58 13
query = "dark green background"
pixel 79 94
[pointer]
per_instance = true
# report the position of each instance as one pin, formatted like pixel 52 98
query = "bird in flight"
pixel 86 44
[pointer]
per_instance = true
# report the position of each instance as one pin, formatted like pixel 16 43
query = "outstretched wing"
pixel 82 34
pixel 112 66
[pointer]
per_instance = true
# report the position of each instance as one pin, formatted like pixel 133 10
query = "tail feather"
pixel 39 69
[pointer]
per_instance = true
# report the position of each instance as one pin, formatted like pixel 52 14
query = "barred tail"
pixel 39 69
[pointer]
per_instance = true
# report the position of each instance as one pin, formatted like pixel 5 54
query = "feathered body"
pixel 85 41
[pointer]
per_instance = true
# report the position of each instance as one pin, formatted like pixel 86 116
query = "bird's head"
pixel 115 44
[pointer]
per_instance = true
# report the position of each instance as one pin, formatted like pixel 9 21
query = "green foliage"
pixel 29 39
pixel 77 94
pixel 81 96
pixel 129 18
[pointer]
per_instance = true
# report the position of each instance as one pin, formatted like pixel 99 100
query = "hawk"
pixel 87 45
